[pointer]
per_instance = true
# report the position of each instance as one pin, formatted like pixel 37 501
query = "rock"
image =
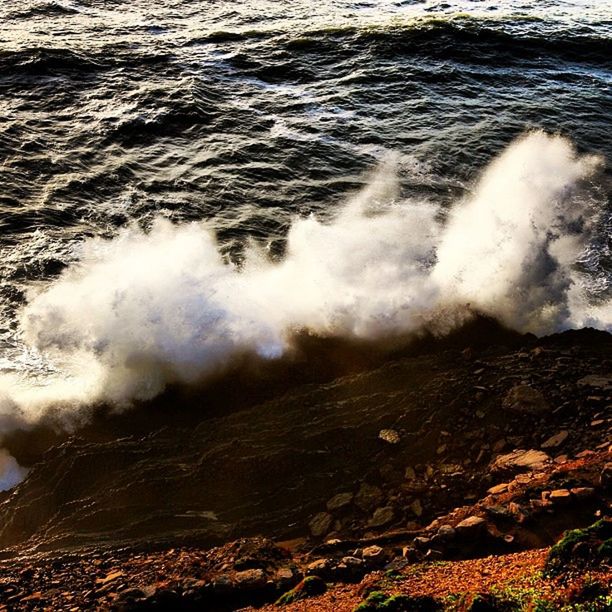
pixel 416 507
pixel 285 577
pixel 446 533
pixel 583 492
pixel 222 584
pixel 250 579
pixel 381 517
pixel 368 497
pixel 526 400
pixel 441 449
pixel 350 567
pixel 598 382
pixel 320 567
pixel 320 524
pixel 339 501
pixel 520 461
pixel 410 474
pixel 373 554
pixel 560 496
pixel 421 543
pixel 556 440
pixel 451 468
pixel 389 435
pixel 497 489
pixel 471 526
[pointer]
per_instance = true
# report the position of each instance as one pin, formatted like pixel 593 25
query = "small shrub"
pixel 309 587
pixel 594 548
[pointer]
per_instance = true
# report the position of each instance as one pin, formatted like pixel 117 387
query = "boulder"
pixel 525 400
pixel 250 579
pixel 381 517
pixel 320 524
pixel 560 497
pixel 520 461
pixel 337 502
pixel 368 497
pixel 498 489
pixel 471 526
pixel 373 555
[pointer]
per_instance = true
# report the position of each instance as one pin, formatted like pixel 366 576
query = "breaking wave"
pixel 147 309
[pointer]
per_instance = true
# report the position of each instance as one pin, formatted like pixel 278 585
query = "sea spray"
pixel 148 309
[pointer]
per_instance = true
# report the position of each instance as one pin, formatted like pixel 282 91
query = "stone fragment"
pixel 373 554
pixel 556 440
pixel 389 435
pixel 410 474
pixel 320 524
pixel 421 543
pixel 339 501
pixel 497 489
pixel 250 578
pixel 368 497
pixel 520 460
pixel 381 517
pixel 471 526
pixel 320 567
pixel 451 468
pixel 525 400
pixel 560 496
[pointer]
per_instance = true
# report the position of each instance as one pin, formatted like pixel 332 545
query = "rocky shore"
pixel 442 479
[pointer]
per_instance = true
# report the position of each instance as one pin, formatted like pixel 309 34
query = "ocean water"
pixel 186 181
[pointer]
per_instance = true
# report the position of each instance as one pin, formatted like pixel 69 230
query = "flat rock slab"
pixel 520 461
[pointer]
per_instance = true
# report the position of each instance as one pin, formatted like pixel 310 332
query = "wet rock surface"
pixel 463 478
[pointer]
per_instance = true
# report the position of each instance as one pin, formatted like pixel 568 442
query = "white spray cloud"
pixel 144 310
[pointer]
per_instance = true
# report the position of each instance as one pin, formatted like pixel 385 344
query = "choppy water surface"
pixel 247 114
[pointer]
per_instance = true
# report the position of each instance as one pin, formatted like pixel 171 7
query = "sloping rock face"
pixel 271 468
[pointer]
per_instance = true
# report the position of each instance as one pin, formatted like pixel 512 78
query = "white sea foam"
pixel 144 310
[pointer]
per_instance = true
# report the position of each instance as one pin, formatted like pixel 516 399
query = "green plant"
pixel 309 587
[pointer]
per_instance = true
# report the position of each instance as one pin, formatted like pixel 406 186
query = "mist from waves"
pixel 144 310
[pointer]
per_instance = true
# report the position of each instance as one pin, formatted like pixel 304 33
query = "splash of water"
pixel 144 310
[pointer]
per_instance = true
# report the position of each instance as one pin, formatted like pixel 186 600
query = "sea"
pixel 185 182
